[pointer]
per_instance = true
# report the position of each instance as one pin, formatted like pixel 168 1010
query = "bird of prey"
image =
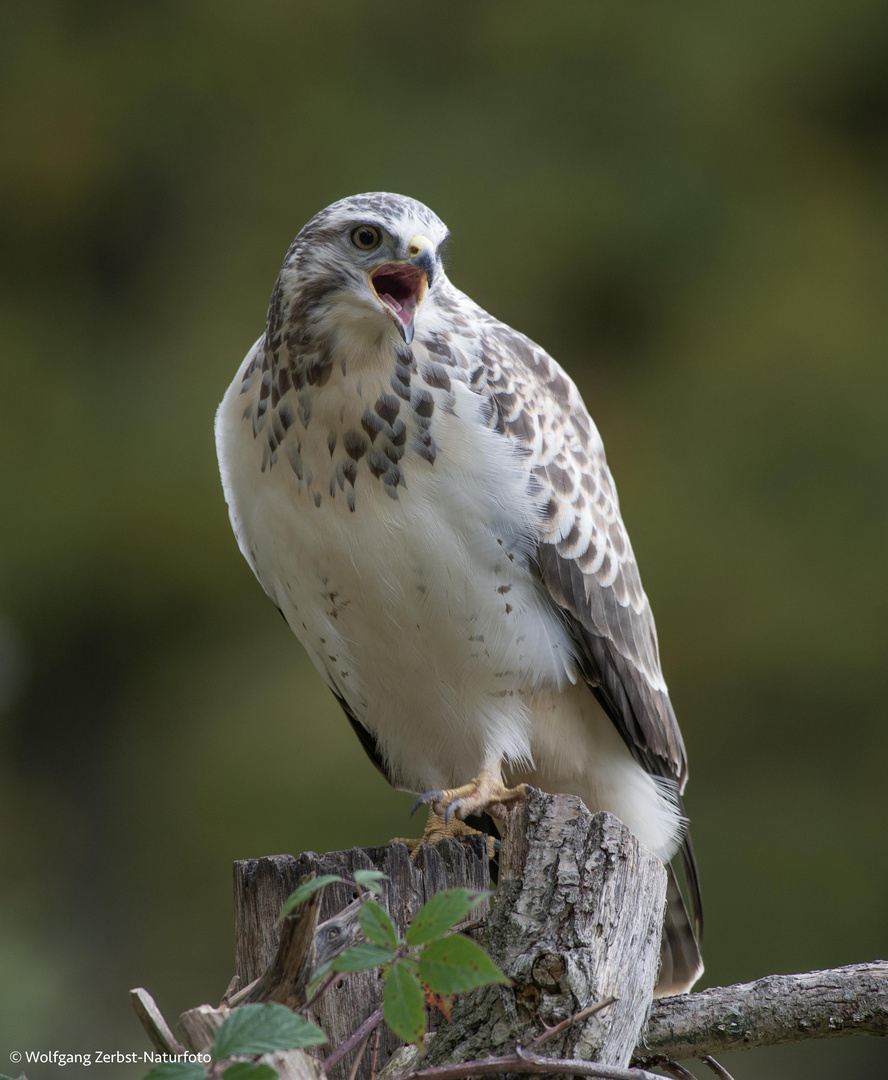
pixel 422 493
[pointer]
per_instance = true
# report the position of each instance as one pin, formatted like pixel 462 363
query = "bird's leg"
pixel 485 794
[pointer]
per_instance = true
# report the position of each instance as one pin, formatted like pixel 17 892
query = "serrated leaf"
pixel 453 964
pixel 403 1004
pixel 362 957
pixel 305 890
pixel 260 1029
pixel 370 879
pixel 377 925
pixel 444 910
pixel 250 1070
pixel 176 1070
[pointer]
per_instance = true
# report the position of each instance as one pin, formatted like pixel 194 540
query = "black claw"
pixel 451 807
pixel 424 800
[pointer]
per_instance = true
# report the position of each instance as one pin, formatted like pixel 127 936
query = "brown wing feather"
pixel 587 565
pixel 584 555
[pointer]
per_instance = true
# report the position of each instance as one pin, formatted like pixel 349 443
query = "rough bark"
pixel 850 1000
pixel 262 885
pixel 577 919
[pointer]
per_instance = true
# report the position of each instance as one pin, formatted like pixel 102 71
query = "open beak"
pixel 401 287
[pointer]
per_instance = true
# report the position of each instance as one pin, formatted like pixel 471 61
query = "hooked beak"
pixel 401 287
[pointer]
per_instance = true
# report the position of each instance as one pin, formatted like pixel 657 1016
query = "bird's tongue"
pixel 404 310
pixel 400 288
pixel 391 301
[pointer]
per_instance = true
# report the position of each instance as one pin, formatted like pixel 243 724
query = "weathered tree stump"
pixel 262 885
pixel 577 920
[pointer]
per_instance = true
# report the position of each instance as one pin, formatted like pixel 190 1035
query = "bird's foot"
pixel 485 794
pixel 438 829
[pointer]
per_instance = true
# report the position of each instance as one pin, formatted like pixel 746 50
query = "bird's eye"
pixel 366 237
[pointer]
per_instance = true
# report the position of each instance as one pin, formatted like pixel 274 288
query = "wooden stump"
pixel 262 885
pixel 577 919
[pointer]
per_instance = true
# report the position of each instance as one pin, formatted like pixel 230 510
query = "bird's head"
pixel 367 263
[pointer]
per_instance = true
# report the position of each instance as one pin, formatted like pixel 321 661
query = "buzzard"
pixel 422 493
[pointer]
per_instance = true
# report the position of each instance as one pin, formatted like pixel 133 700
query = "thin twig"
pixel 720 1071
pixel 527 1063
pixel 577 1018
pixel 231 1000
pixel 353 1071
pixel 375 1055
pixel 322 989
pixel 362 1032
pixel 678 1071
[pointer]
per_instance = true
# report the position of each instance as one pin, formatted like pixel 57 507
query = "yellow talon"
pixel 437 829
pixel 485 794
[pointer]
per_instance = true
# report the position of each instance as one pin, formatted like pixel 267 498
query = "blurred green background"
pixel 686 204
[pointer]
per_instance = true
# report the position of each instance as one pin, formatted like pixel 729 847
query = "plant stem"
pixel 577 1018
pixel 720 1071
pixel 362 1032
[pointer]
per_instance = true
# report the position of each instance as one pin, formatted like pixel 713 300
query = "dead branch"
pixel 850 1000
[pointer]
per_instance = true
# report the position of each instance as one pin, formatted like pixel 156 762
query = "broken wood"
pixel 151 1019
pixel 262 885
pixel 286 978
pixel 199 1026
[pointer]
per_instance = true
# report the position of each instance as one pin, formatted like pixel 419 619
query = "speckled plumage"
pixel 436 520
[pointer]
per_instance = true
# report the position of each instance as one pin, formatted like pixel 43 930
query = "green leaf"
pixel 305 890
pixel 444 910
pixel 362 957
pixel 403 1004
pixel 176 1070
pixel 377 925
pixel 259 1029
pixel 250 1070
pixel 370 879
pixel 454 964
